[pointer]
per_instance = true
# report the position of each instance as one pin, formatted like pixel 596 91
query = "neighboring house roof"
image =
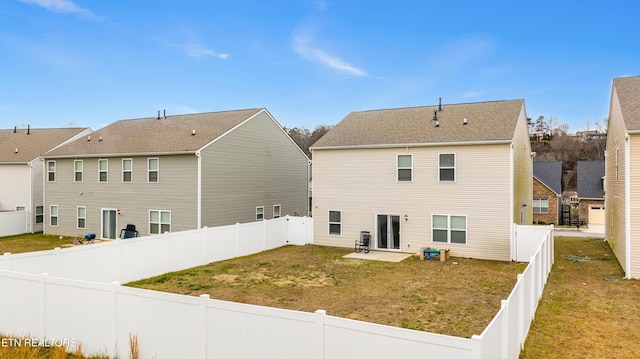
pixel 590 175
pixel 31 143
pixel 486 122
pixel 628 91
pixel 550 174
pixel 157 135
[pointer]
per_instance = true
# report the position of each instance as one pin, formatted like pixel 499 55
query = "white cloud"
pixel 199 51
pixel 320 5
pixel 63 7
pixel 302 45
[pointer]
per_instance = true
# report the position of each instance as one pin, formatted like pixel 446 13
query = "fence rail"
pixel 101 314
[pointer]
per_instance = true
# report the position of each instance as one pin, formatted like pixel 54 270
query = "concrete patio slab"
pixel 380 256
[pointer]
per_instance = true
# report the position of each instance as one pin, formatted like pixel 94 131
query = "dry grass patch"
pixel 458 297
pixel 587 310
pixel 31 242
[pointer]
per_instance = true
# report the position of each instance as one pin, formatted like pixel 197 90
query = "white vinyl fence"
pixel 13 223
pixel 91 308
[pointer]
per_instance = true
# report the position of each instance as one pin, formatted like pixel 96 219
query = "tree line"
pixel 305 138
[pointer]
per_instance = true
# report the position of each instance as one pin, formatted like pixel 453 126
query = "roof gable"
pixel 33 142
pixel 171 134
pixel 550 174
pixel 590 175
pixel 486 121
pixel 628 92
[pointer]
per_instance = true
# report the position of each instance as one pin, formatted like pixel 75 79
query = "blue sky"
pixel 309 62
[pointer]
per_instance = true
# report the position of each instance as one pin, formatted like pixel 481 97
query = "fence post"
pixel 43 297
pixel 320 315
pixel 476 346
pixel 505 305
pixel 521 318
pixel 7 261
pixel 113 330
pixel 204 299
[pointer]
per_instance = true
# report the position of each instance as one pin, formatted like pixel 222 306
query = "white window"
pixel 447 167
pixel 39 214
pixel 127 170
pixel 276 211
pixel 449 229
pixel 103 170
pixel 153 170
pixel 77 170
pixel 159 221
pixel 51 171
pixel 335 223
pixel 82 217
pixel 259 213
pixel 405 168
pixel 53 215
pixel 21 208
pixel 540 205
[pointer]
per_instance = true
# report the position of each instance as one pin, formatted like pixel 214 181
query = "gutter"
pixel 424 144
pixel 130 154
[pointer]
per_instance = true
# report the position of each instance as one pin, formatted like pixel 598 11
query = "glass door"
pixel 109 226
pixel 388 231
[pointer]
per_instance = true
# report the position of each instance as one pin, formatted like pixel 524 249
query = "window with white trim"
pixel 103 170
pixel 540 205
pixel 78 166
pixel 81 217
pixel 447 167
pixel 127 170
pixel 159 221
pixel 449 229
pixel 53 215
pixel 405 168
pixel 259 213
pixel 335 223
pixel 51 171
pixel 153 170
pixel 276 211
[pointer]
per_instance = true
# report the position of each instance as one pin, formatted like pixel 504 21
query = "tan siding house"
pixel 175 173
pixel 622 174
pixel 21 169
pixel 413 181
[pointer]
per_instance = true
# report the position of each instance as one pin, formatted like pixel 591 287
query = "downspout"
pixel 44 196
pixel 627 208
pixel 199 199
pixel 30 216
pixel 512 234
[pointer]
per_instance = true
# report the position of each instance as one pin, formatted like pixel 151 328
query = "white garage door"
pixel 596 214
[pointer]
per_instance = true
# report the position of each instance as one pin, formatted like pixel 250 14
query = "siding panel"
pixel 362 183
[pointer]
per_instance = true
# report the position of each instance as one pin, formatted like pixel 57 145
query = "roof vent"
pixel 465 121
pixel 16 149
pixel 88 138
pixel 439 103
pixel 158 115
pixel 165 114
pixel 28 129
pixel 15 129
pixel 437 123
pixel 193 132
pixel 100 139
pixel 435 115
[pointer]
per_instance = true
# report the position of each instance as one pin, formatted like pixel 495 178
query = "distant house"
pixel 21 169
pixel 454 177
pixel 547 192
pixel 591 191
pixel 622 166
pixel 175 173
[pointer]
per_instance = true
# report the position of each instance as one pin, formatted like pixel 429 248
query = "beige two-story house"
pixel 622 174
pixel 21 168
pixel 175 173
pixel 455 176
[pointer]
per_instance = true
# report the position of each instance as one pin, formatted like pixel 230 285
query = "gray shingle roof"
pixel 628 90
pixel 32 145
pixel 590 175
pixel 486 121
pixel 549 173
pixel 173 134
